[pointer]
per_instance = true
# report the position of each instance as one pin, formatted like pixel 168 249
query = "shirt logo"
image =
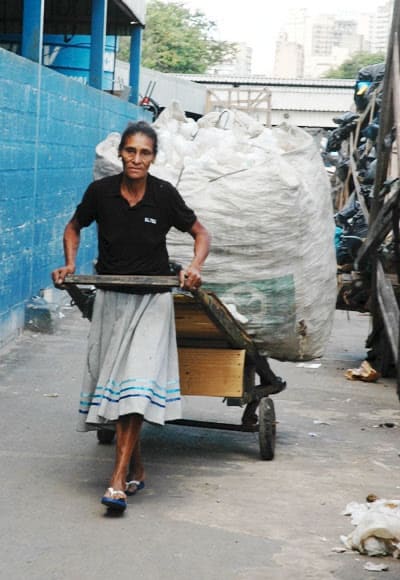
pixel 148 220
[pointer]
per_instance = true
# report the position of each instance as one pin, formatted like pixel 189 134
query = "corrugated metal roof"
pixel 305 104
pixel 257 80
pixel 329 95
pixel 312 99
pixel 302 100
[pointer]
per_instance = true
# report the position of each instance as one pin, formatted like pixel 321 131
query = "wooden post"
pixel 396 94
pixel 386 120
pixel 389 117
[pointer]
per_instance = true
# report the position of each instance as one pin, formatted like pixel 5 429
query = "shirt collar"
pixel 148 198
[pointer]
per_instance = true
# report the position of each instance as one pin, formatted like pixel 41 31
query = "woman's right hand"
pixel 59 274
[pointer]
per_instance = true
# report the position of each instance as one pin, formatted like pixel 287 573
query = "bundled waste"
pixel 368 85
pixel 367 92
pixel 265 197
pixel 377 527
pixel 353 177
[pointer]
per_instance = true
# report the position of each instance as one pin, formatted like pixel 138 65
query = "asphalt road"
pixel 211 508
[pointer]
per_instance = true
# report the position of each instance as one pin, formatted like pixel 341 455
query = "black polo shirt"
pixel 132 240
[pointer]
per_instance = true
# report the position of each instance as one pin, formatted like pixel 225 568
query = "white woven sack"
pixel 265 197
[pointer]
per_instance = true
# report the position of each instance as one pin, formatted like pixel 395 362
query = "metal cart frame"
pixel 216 356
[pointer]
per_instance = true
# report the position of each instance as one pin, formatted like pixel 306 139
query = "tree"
pixel 350 67
pixel 178 40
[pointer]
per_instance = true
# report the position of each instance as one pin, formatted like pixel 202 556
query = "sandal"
pixel 115 503
pixel 135 485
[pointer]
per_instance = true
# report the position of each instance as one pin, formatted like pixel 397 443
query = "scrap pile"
pixel 265 197
pixel 351 149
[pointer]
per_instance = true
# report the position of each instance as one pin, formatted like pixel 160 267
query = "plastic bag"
pixel 377 531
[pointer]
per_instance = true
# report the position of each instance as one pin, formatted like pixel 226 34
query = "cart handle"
pixel 113 280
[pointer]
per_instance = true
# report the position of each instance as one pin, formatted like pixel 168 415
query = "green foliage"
pixel 123 48
pixel 350 67
pixel 178 40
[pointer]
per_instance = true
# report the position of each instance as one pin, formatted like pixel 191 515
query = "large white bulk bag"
pixel 265 197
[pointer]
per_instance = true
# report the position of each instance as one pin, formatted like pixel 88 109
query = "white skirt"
pixel 132 360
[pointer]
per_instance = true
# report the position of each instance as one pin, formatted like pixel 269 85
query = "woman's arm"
pixel 72 237
pixel 190 277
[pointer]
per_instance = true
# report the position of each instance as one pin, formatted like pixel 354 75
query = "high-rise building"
pixel 289 59
pixel 310 44
pixel 380 27
pixel 333 40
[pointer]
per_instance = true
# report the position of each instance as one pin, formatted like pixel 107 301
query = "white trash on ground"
pixel 265 197
pixel 376 567
pixel 377 531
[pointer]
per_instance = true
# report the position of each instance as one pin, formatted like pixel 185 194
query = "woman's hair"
pixel 139 127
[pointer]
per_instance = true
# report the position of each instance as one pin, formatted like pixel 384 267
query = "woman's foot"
pixel 114 499
pixel 133 486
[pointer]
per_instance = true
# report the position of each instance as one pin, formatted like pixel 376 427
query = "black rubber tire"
pixel 105 436
pixel 267 428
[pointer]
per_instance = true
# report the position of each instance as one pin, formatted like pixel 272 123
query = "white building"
pixel 289 59
pixel 238 64
pixel 380 27
pixel 328 40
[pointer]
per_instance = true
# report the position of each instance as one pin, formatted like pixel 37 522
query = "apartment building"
pixel 310 44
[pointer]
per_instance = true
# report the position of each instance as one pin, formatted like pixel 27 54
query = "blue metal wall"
pixel 50 126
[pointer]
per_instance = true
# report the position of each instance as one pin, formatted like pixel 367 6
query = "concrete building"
pixel 333 40
pixel 289 59
pixel 380 27
pixel 239 64
pixel 328 39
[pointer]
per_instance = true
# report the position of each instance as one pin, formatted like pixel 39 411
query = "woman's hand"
pixel 190 278
pixel 71 245
pixel 59 274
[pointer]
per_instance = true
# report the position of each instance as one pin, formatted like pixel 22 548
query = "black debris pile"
pixel 351 149
pixel 346 125
pixel 368 85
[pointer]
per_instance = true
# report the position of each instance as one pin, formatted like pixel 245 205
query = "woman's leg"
pixel 128 438
pixel 136 471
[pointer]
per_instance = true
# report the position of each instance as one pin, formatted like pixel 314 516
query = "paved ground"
pixel 211 508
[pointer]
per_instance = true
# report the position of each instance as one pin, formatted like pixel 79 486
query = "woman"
pixel 132 367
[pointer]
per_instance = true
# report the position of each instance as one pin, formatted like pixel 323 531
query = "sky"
pixel 257 22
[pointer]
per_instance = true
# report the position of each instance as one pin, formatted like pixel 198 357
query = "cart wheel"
pixel 105 436
pixel 267 428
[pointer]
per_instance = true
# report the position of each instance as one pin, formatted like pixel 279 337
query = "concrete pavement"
pixel 211 508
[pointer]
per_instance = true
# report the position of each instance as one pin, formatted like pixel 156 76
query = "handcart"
pixel 217 358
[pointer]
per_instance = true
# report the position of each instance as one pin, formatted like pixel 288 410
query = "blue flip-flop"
pixel 139 486
pixel 117 504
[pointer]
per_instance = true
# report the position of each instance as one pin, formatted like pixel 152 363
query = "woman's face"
pixel 137 155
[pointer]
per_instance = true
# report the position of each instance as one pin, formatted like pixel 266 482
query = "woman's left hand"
pixel 190 278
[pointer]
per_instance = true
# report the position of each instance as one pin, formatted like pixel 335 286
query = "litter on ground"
pixel 364 373
pixel 377 527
